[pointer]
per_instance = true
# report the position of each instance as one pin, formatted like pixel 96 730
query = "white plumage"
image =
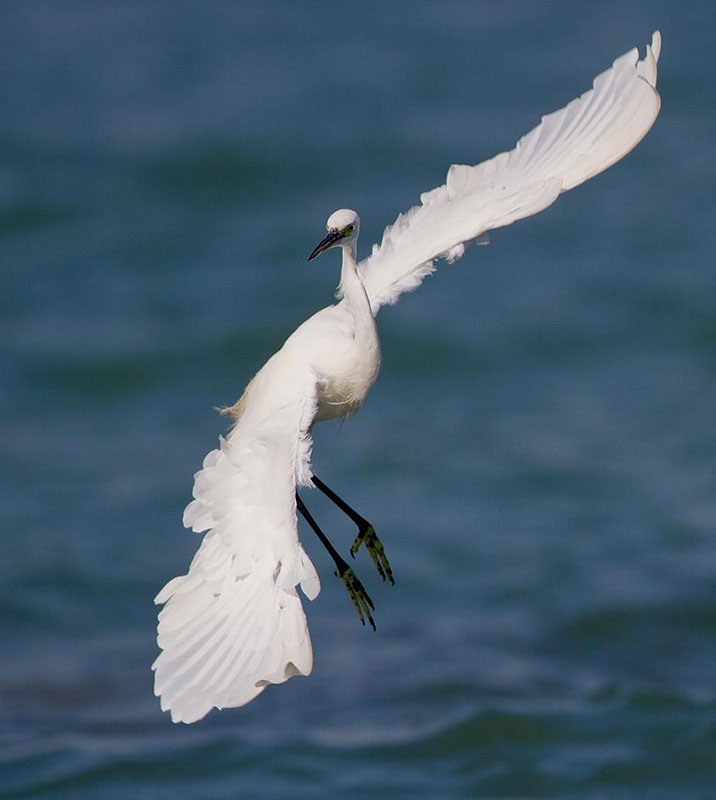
pixel 567 148
pixel 234 623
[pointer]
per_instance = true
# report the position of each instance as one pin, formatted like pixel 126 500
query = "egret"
pixel 234 623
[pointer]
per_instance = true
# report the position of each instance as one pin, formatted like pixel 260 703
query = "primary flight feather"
pixel 234 623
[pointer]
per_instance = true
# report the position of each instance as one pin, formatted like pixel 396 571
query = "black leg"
pixel 356 591
pixel 366 532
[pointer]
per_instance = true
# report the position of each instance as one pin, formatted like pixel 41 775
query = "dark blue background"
pixel 539 454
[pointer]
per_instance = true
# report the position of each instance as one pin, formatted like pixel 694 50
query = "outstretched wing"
pixel 568 147
pixel 234 624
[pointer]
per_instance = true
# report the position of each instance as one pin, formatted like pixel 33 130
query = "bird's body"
pixel 343 347
pixel 234 623
pixel 338 348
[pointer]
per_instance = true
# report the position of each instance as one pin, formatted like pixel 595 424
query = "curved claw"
pixel 356 591
pixel 374 546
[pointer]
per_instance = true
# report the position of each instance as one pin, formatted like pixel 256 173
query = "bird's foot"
pixel 356 591
pixel 374 546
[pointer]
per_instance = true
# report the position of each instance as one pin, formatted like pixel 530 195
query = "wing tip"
pixel 656 44
pixel 647 67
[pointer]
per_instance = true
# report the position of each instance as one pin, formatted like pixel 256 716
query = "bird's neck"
pixel 351 287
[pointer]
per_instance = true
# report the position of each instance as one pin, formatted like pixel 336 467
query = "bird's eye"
pixel 349 228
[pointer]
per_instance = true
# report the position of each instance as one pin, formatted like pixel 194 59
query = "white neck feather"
pixel 351 287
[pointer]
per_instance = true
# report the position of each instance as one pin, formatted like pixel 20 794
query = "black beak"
pixel 332 237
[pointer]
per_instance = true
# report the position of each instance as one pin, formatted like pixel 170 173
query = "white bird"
pixel 234 623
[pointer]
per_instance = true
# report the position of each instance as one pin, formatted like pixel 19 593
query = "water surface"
pixel 539 453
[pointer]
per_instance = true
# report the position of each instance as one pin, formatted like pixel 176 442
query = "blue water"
pixel 538 455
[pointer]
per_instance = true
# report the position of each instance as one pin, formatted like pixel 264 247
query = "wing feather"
pixel 234 623
pixel 568 147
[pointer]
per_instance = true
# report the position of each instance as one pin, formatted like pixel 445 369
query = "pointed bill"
pixel 333 236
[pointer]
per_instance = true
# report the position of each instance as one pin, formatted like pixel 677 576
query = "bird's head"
pixel 343 227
